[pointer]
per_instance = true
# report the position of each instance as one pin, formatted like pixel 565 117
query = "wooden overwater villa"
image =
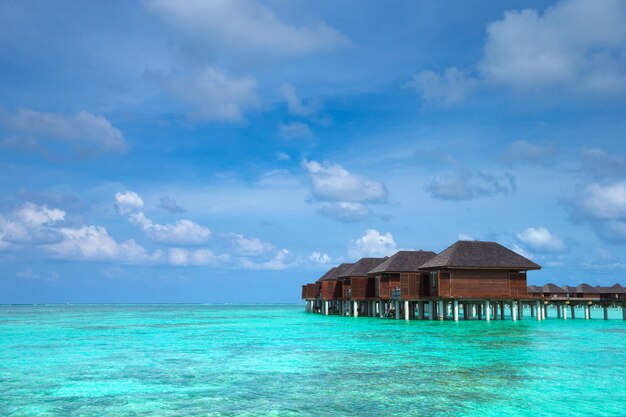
pixel 468 280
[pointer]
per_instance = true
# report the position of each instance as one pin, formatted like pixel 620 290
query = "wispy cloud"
pixel 54 134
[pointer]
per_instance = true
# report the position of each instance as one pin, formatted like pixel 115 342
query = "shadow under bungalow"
pixel 468 280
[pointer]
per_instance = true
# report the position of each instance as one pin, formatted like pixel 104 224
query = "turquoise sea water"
pixel 278 360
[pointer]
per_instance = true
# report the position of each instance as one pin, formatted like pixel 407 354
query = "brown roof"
pixel 323 277
pixel 476 254
pixel 553 289
pixel 336 272
pixel 533 289
pixel 361 267
pixel 587 289
pixel 617 289
pixel 404 261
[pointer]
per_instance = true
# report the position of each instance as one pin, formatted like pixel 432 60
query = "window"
pixel 433 279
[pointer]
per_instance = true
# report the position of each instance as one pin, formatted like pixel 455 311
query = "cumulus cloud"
pixel 332 182
pixel 463 236
pixel 604 208
pixel 244 27
pixel 54 134
pixel 345 212
pixel 576 46
pixel 447 88
pixel 170 205
pixel 30 224
pixel 280 260
pixel 522 152
pixel 540 239
pixel 461 186
pixel 212 94
pixel 250 245
pixel 294 130
pixel 601 164
pixel 373 244
pixel 182 232
pixel 128 202
pixel 94 243
pixel 194 257
pixel 296 106
pixel 319 258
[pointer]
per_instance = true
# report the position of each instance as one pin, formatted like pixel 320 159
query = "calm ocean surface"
pixel 277 360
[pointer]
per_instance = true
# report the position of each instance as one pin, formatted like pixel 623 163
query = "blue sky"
pixel 229 151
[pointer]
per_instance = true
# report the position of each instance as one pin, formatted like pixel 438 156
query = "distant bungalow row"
pixel 469 280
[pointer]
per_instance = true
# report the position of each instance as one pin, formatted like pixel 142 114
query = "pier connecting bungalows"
pixel 470 279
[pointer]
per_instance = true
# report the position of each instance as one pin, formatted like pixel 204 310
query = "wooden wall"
pixel 413 285
pixel 304 291
pixel 518 284
pixel 386 283
pixel 482 283
pixel 332 290
pixel 363 288
pixel 312 290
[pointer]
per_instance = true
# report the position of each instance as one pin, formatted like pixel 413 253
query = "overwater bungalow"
pixel 484 280
pixel 358 287
pixel 475 269
pixel 332 289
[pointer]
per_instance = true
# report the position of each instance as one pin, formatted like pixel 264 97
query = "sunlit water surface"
pixel 277 360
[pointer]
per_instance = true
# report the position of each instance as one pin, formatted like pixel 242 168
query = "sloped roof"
pixel 477 254
pixel 569 289
pixel 553 289
pixel 533 289
pixel 361 267
pixel 336 272
pixel 587 289
pixel 404 261
pixel 617 289
pixel 326 274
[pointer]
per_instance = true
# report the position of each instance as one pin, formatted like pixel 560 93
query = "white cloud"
pixel 463 236
pixel 278 262
pixel 604 208
pixel 282 156
pixel 540 239
pixel 578 45
pixel 604 202
pixel 331 182
pixel 187 257
pixel 296 106
pixel 128 202
pixel 181 232
pixel 521 251
pixel 346 212
pixel 373 244
pixel 450 87
pixel 30 224
pixel 294 130
pixel 319 258
pixel 243 27
pixel 469 185
pixel 522 152
pixel 94 243
pixel 84 133
pixel 213 95
pixel 601 164
pixel 250 246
